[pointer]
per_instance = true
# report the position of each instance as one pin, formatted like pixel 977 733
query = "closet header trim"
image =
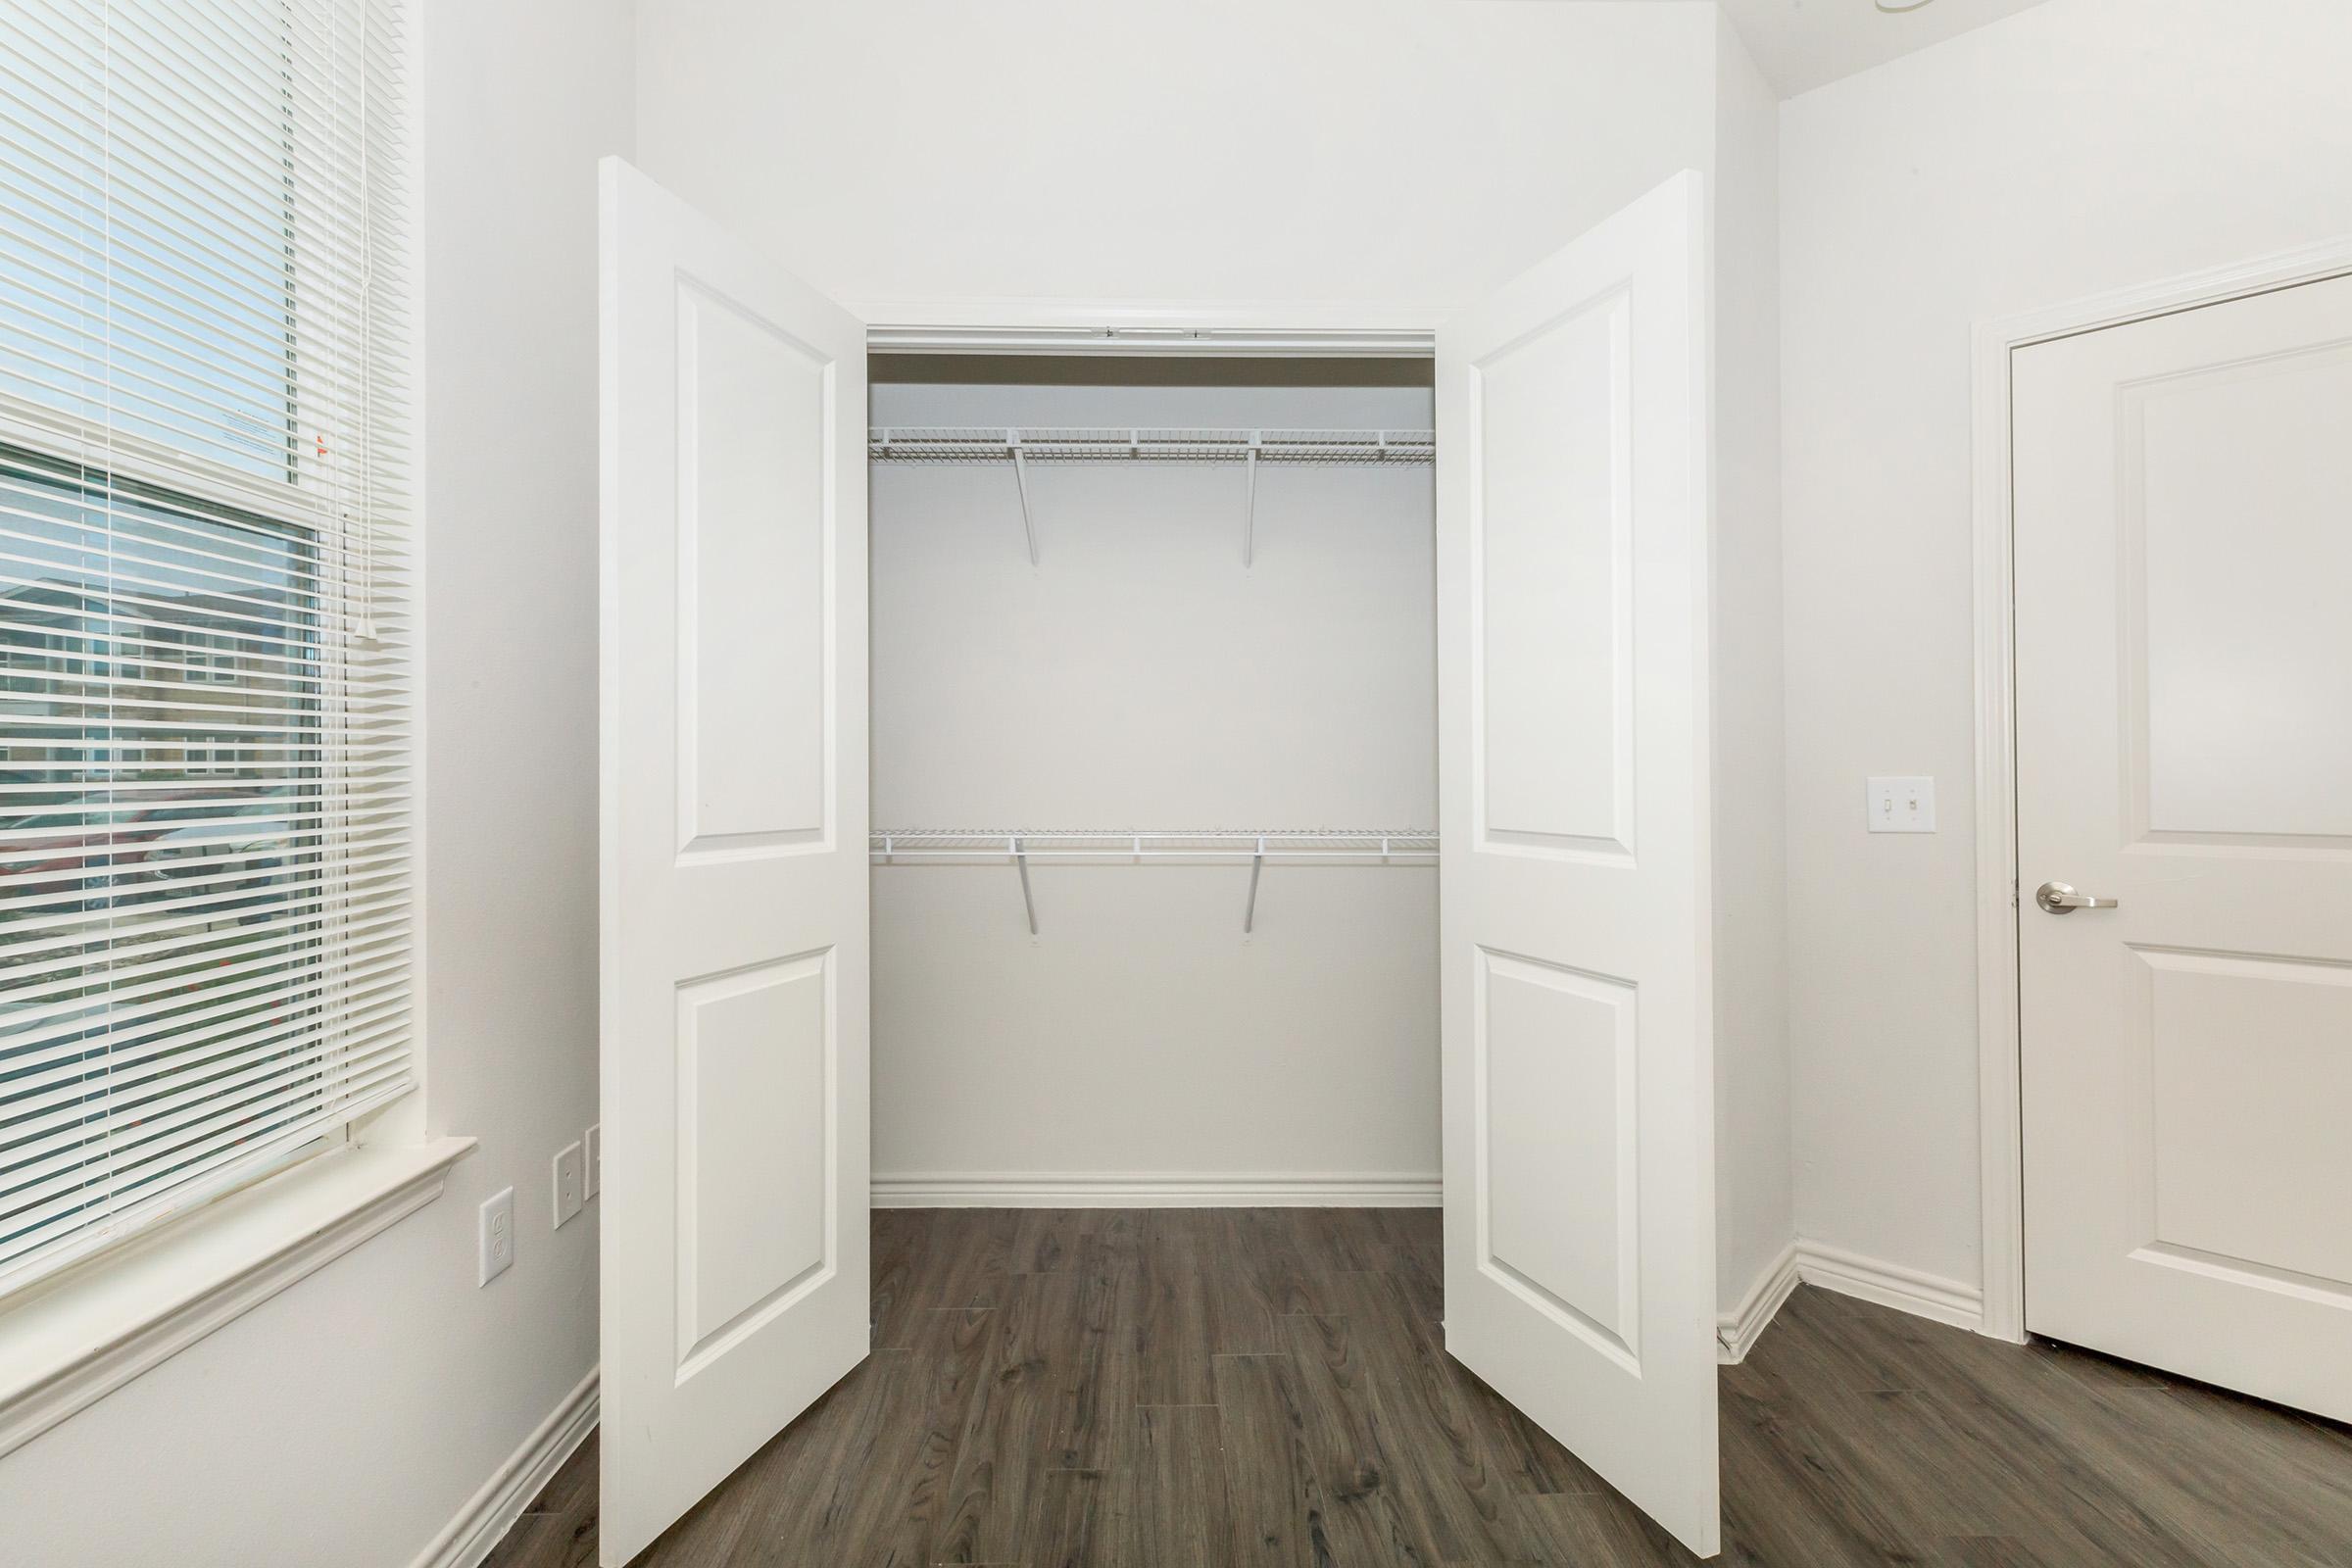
pixel 1269 342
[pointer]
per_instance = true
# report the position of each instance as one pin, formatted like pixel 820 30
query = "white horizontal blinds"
pixel 205 611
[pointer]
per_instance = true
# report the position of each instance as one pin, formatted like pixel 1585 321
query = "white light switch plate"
pixel 572 1178
pixel 595 1143
pixel 497 1236
pixel 1902 805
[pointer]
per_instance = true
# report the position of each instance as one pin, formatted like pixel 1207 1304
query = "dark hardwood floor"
pixel 1242 1387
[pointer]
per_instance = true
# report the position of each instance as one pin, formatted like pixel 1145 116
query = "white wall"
pixel 1311 150
pixel 349 1418
pixel 2083 146
pixel 1139 676
pixel 1754 1212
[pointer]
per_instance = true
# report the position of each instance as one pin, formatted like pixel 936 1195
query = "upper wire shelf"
pixel 935 443
pixel 1123 444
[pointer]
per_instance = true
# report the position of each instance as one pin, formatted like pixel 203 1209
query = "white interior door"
pixel 2185 747
pixel 734 876
pixel 1572 644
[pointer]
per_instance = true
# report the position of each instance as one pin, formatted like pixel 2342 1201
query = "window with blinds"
pixel 205 605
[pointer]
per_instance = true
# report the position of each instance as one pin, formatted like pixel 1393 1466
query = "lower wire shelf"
pixel 1123 846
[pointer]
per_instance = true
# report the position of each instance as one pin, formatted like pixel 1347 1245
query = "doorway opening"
pixel 1153 780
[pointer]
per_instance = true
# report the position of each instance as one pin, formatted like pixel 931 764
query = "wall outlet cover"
pixel 571 1182
pixel 593 1143
pixel 497 1236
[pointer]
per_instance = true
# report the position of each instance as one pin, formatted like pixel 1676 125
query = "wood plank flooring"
pixel 1246 1387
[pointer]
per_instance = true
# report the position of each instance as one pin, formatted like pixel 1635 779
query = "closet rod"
pixel 1146 444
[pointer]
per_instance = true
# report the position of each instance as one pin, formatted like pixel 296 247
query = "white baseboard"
pixel 491 1511
pixel 1834 1268
pixel 1906 1290
pixel 1735 1331
pixel 1152 1190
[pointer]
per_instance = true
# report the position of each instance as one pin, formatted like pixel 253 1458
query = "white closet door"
pixel 734 876
pixel 1573 603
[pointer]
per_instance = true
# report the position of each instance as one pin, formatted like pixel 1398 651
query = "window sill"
pixel 72 1340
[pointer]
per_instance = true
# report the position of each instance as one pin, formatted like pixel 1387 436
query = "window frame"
pixel 72 1335
pixel 332 659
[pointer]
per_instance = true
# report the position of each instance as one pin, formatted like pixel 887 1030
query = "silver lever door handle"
pixel 2060 899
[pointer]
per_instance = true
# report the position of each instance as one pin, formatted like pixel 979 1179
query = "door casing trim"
pixel 1999 1030
pixel 1285 330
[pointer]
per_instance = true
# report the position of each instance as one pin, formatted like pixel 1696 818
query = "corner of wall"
pixel 1755 1214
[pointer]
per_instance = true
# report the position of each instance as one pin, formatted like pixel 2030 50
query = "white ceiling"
pixel 1802 43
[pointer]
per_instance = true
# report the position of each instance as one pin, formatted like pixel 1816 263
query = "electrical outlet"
pixel 595 1144
pixel 1902 805
pixel 570 1177
pixel 497 1235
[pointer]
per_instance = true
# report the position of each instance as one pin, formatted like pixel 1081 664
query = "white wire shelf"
pixel 1121 845
pixel 1158 844
pixel 1022 447
pixel 1123 444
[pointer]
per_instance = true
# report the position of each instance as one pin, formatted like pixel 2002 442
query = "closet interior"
pixel 1153 787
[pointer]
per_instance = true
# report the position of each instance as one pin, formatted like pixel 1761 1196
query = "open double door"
pixel 1573 603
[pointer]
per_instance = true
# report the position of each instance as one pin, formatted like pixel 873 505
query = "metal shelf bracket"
pixel 1249 506
pixel 1020 478
pixel 1020 859
pixel 1257 865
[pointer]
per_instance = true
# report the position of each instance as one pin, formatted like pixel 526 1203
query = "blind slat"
pixel 125 1067
pixel 132 1163
pixel 120 1213
pixel 111 1216
pixel 132 972
pixel 62 904
pixel 130 1120
pixel 227 1010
